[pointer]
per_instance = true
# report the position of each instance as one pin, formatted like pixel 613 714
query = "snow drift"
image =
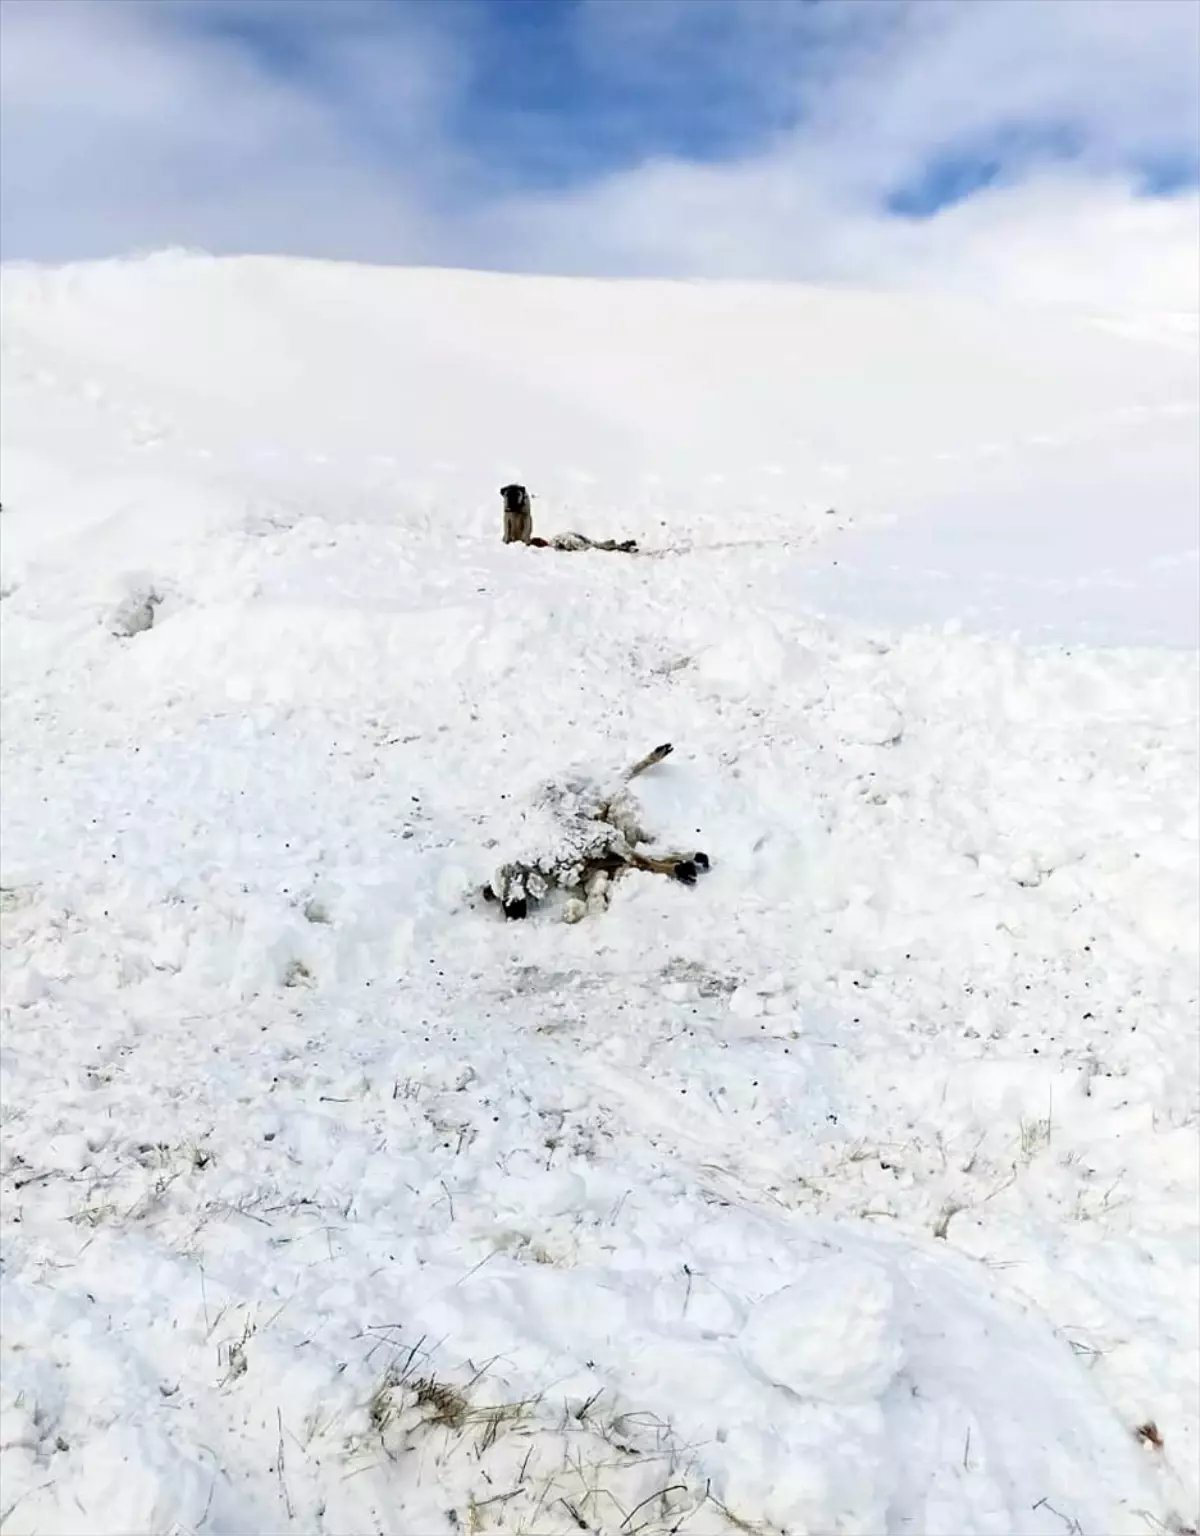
pixel 855 1189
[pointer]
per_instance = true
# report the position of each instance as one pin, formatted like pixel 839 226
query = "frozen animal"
pixel 593 834
pixel 571 542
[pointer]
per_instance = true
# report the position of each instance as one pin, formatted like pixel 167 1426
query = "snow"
pixel 852 1190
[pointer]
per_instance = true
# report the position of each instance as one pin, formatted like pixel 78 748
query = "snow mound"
pixel 853 1189
pixel 831 1337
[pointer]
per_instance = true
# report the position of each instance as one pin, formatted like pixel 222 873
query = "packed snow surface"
pixel 852 1190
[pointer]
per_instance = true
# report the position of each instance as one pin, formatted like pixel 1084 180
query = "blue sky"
pixel 539 105
pixel 745 138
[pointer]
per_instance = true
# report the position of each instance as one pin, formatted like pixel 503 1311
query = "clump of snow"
pixel 752 654
pixel 830 1338
pixel 854 1189
pixel 134 614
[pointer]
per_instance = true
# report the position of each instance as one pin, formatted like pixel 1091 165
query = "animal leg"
pixel 684 867
pixel 596 891
pixel 605 811
pixel 649 760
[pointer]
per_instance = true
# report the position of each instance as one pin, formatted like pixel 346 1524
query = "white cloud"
pixel 135 125
pixel 123 128
pixel 1123 75
pixel 874 102
pixel 1058 237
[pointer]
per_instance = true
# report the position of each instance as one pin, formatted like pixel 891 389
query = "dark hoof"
pixel 664 751
pixel 516 909
pixel 629 547
pixel 700 860
pixel 488 893
pixel 685 872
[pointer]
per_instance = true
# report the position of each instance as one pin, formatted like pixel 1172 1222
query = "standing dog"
pixel 518 514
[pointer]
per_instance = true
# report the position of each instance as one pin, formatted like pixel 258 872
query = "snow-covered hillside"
pixel 853 1190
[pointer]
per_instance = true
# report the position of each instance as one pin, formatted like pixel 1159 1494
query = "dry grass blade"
pixel 661 1493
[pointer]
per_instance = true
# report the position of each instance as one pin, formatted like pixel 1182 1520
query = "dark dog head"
pixel 516 498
